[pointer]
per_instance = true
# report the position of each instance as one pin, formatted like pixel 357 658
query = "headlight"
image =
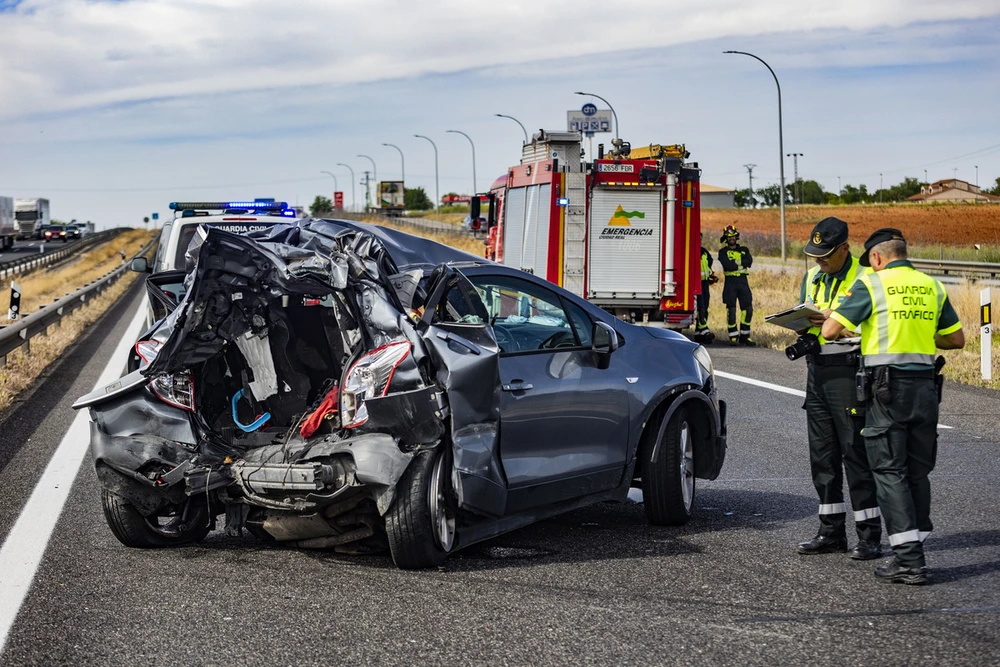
pixel 176 390
pixel 704 360
pixel 369 377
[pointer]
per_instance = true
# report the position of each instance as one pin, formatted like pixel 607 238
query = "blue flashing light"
pixel 688 203
pixel 563 201
pixel 257 205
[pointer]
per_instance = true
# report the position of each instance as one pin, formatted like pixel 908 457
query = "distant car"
pixel 54 233
pixel 73 232
pixel 337 385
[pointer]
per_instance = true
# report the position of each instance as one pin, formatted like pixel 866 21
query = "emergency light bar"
pixel 257 205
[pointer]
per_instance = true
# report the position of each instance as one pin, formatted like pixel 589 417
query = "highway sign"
pixel 338 200
pixel 580 121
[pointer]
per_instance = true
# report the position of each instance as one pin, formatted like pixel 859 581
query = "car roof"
pixel 408 250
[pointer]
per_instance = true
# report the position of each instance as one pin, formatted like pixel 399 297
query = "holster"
pixel 862 385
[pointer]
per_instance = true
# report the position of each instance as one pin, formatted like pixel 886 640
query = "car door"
pixel 563 421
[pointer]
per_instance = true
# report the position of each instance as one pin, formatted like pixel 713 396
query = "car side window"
pixel 526 317
pixel 461 305
pixel 581 322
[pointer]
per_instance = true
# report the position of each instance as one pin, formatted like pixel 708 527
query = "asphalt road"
pixel 596 586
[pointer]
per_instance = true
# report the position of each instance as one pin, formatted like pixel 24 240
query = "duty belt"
pixel 847 359
pixel 737 273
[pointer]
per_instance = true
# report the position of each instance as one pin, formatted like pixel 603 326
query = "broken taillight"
pixel 176 390
pixel 369 377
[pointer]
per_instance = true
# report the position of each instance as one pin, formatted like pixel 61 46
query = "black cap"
pixel 880 236
pixel 827 235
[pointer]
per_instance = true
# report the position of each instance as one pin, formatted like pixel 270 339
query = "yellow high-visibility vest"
pixel 838 290
pixel 706 271
pixel 906 307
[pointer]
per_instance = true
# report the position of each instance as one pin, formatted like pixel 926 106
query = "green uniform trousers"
pixel 834 423
pixel 901 438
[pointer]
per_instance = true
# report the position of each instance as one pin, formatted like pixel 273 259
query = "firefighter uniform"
pixel 701 330
pixel 899 311
pixel 736 262
pixel 834 415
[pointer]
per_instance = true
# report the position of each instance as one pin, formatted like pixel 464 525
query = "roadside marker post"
pixel 15 302
pixel 986 333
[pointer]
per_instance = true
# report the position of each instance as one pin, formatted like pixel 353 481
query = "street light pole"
pixel 437 182
pixel 333 176
pixel 840 188
pixel 613 114
pixel 880 188
pixel 500 115
pixel 354 200
pixel 781 146
pixel 402 162
pixel 474 188
pixel 977 175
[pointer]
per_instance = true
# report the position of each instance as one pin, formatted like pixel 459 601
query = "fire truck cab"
pixel 621 231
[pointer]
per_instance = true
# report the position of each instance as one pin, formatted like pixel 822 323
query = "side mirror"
pixel 477 224
pixel 604 341
pixel 139 265
pixel 491 219
pixel 474 208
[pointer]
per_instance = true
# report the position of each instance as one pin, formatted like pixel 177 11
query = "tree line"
pixel 811 192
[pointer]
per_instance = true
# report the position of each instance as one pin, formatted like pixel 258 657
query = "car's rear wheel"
pixel 162 530
pixel 668 484
pixel 421 522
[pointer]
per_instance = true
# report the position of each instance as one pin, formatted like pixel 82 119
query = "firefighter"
pixel 702 333
pixel 736 262
pixel 903 315
pixel 834 415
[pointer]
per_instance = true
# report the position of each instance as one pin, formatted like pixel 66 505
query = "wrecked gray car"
pixel 337 385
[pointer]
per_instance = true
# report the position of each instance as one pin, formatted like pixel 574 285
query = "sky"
pixel 111 109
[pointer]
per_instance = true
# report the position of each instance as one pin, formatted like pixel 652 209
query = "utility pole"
pixel 840 188
pixel 880 188
pixel 925 178
pixel 749 168
pixel 368 198
pixel 977 175
pixel 798 187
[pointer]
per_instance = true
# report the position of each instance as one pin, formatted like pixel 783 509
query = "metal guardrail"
pixel 21 332
pixel 30 262
pixel 947 268
pixel 422 223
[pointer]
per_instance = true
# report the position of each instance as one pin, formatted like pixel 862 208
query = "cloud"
pixel 72 54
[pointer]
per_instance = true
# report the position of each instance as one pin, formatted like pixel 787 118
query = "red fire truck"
pixel 621 231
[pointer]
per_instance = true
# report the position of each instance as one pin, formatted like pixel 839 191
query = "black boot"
pixel 866 550
pixel 894 573
pixel 822 544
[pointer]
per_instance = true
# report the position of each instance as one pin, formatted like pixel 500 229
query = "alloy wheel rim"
pixel 442 521
pixel 687 465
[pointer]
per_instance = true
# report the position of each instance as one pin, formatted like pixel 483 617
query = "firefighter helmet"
pixel 730 232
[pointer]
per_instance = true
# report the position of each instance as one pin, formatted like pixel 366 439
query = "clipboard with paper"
pixel 795 318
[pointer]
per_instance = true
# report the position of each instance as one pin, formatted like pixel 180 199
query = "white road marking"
pixel 776 387
pixel 22 552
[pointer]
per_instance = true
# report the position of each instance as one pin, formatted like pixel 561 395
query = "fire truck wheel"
pixel 668 484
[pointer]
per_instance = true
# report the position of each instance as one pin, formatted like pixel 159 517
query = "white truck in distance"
pixel 31 215
pixel 8 226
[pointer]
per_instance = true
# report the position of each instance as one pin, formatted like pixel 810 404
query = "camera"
pixel 803 345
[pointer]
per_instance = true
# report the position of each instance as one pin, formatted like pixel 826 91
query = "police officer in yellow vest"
pixel 904 316
pixel 834 415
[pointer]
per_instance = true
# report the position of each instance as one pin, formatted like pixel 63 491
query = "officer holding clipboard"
pixel 834 415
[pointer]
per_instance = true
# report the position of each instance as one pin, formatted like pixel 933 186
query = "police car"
pixel 168 266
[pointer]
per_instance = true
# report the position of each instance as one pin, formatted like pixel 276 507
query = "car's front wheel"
pixel 421 522
pixel 162 530
pixel 668 483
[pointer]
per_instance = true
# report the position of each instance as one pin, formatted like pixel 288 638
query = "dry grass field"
pixel 936 231
pixel 777 290
pixel 49 284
